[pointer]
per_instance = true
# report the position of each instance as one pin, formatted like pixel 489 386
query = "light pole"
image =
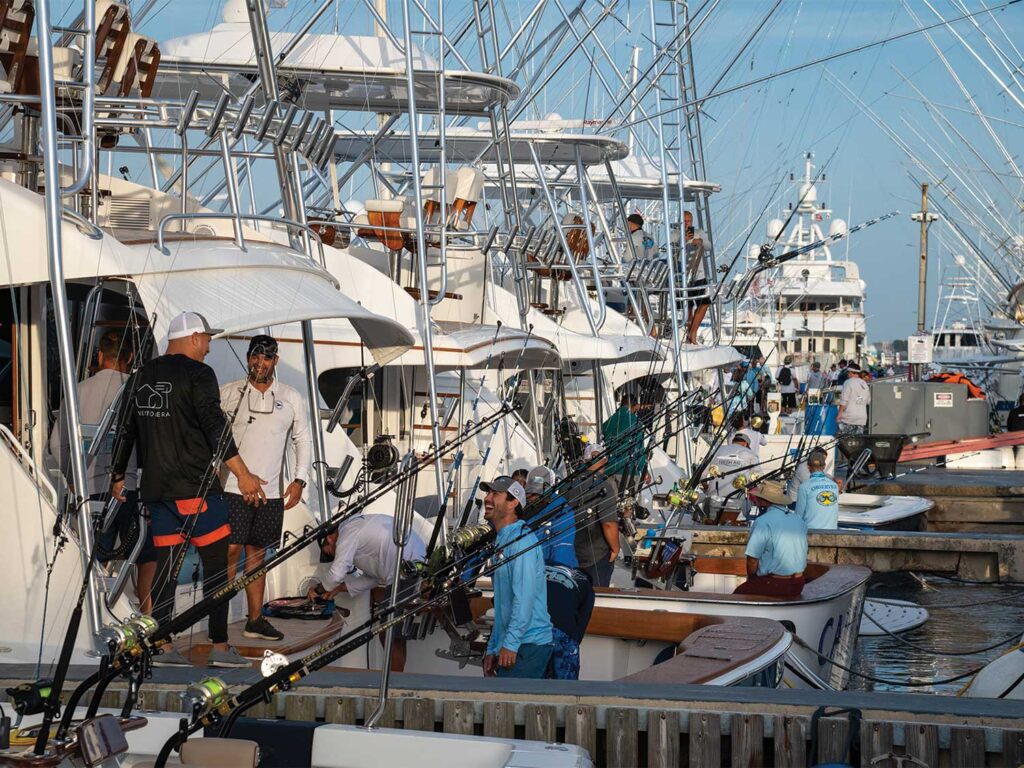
pixel 925 219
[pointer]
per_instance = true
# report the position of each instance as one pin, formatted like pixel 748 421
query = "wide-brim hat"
pixel 772 492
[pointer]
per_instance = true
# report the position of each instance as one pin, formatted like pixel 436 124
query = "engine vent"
pixel 125 213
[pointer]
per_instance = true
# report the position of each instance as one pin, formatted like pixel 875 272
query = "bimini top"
pixel 323 72
pixel 466 145
pixel 640 179
pixel 236 290
pixel 455 345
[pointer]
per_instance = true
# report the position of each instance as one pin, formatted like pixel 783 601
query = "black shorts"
pixel 789 399
pixel 255 526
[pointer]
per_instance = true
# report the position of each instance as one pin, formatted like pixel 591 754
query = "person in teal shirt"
pixel 817 500
pixel 521 641
pixel 777 547
pixel 627 457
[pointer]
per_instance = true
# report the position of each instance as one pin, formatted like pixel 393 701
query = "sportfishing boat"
pixel 811 307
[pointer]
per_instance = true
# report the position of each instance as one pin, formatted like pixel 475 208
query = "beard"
pixel 261 377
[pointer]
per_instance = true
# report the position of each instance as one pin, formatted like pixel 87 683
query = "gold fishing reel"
pixel 206 696
pixel 745 481
pixel 127 636
pixel 714 471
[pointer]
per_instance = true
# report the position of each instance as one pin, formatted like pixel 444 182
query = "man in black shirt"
pixel 1015 420
pixel 182 436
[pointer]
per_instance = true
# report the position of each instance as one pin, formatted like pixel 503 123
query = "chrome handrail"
pixel 305 228
pixel 25 459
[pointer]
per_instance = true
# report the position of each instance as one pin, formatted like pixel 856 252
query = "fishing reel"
pixel 570 440
pixel 714 471
pixel 30 698
pixel 206 696
pixel 460 541
pixel 742 482
pixel 128 635
pixel 381 458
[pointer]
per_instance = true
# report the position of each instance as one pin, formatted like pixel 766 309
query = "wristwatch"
pixel 302 483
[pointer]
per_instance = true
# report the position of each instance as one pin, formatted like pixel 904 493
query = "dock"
pixel 966 500
pixel 995 558
pixel 647 724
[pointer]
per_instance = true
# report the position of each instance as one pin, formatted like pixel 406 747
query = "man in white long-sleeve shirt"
pixel 365 556
pixel 269 416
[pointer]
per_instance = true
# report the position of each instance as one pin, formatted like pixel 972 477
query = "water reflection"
pixel 962 617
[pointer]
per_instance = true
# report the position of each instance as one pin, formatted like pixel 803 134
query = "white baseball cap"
pixel 539 480
pixel 592 449
pixel 506 484
pixel 187 323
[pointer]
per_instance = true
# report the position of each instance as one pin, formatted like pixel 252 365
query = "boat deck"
pixel 299 635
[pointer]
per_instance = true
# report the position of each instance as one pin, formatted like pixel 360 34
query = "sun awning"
pixel 695 357
pixel 242 298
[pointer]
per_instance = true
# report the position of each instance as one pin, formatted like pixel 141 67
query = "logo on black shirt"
pixel 152 400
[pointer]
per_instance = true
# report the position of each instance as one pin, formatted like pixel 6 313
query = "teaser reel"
pixel 381 459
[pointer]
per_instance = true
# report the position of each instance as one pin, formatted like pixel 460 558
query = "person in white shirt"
pixel 731 461
pixel 643 243
pixel 815 379
pixel 755 439
pixel 270 415
pixel 364 557
pixel 853 403
pixel 114 356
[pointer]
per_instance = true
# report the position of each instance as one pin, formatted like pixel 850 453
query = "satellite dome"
pixel 838 227
pixel 234 12
pixel 808 193
pixel 775 228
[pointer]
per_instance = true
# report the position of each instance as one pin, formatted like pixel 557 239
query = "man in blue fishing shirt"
pixel 521 641
pixel 777 547
pixel 555 520
pixel 817 500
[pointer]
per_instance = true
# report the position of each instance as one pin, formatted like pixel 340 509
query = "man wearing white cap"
pixel 521 641
pixel 182 435
pixel 556 519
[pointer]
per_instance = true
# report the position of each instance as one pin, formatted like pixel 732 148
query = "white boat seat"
pixel 214 753
pixel 379 215
pixel 137 66
pixel 113 26
pixel 469 188
pixel 335 746
pixel 430 185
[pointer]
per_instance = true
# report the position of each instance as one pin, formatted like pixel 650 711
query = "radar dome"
pixel 774 228
pixel 234 12
pixel 838 227
pixel 808 193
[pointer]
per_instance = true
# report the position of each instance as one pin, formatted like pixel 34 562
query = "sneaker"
pixel 171 659
pixel 262 629
pixel 228 658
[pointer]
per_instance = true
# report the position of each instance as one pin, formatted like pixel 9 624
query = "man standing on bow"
pixel 270 416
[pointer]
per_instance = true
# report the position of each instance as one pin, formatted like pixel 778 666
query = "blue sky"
pixel 756 136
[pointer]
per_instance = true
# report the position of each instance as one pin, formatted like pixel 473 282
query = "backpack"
pixel 785 377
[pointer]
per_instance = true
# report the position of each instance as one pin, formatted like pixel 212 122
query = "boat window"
pixel 797 346
pixel 332 384
pixel 968 340
pixel 826 345
pixel 840 345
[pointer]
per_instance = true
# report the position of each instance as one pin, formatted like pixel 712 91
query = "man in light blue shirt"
pixel 817 500
pixel 777 547
pixel 521 641
pixel 556 521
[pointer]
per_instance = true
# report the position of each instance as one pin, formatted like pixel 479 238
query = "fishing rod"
pixel 51 703
pixel 213 705
pixel 510 393
pixel 136 638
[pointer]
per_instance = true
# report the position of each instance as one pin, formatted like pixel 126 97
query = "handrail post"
pixel 65 346
pixel 232 189
pixel 581 174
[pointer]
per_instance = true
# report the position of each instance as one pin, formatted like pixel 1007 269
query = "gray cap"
pixel 540 479
pixel 504 483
